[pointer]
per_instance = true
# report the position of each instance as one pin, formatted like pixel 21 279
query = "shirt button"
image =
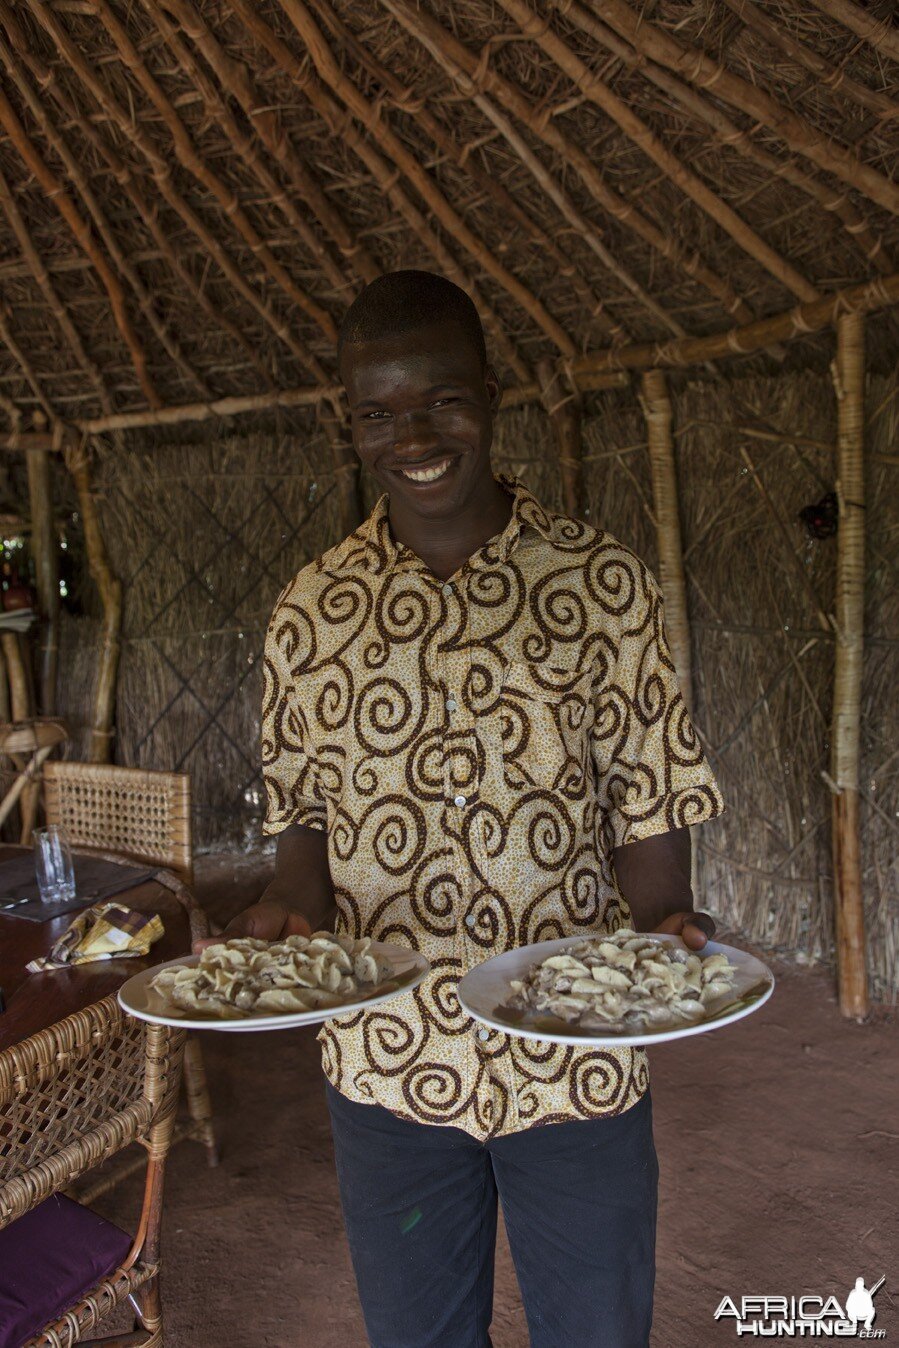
pixel 447 588
pixel 483 1035
pixel 469 921
pixel 451 704
pixel 458 800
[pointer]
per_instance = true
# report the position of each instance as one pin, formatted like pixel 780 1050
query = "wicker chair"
pixel 131 811
pixel 71 1096
pixel 143 815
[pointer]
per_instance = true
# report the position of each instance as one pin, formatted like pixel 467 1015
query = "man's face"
pixel 422 408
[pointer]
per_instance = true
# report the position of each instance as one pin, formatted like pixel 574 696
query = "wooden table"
pixel 36 1001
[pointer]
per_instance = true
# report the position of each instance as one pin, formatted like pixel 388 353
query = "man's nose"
pixel 413 434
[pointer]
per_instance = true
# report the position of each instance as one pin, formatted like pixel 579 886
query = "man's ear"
pixel 494 389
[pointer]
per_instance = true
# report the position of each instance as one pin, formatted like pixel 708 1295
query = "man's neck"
pixel 444 545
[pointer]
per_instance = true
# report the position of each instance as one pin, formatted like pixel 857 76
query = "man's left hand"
pixel 694 929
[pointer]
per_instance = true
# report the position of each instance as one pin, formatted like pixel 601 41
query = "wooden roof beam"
pixel 48 290
pixel 757 336
pixel 83 236
pixel 448 52
pixel 404 100
pixel 538 28
pixel 234 77
pixel 595 370
pixel 830 76
pixel 27 369
pixel 878 32
pixel 37 108
pixel 383 175
pixel 49 84
pixel 700 69
pixel 242 144
pixel 557 195
pixel 359 106
pixel 160 168
pixel 726 132
pixel 193 161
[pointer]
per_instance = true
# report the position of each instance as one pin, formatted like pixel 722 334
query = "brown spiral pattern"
pixel 475 751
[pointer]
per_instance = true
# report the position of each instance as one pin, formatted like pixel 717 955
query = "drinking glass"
pixel 53 864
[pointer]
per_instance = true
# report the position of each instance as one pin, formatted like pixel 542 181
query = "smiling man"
pixel 473 739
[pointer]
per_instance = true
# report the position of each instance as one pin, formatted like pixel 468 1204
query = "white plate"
pixel 139 999
pixel 484 991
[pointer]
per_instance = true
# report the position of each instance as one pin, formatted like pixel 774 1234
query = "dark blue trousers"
pixel 420 1208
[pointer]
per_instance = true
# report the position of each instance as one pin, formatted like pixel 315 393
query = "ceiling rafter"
pixel 727 133
pixel 481 78
pixel 83 235
pixel 194 162
pixel 879 32
pixel 832 77
pixel 386 178
pixel 405 100
pixel 243 143
pixel 236 80
pixel 37 107
pixel 125 178
pixel 539 29
pixel 698 68
pixel 131 129
pixel 359 106
pixel 48 290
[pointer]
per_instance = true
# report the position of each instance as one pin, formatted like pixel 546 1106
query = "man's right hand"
pixel 267 920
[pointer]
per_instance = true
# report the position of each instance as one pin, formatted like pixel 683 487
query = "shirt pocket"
pixel 542 719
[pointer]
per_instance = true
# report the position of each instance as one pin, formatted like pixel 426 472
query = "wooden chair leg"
pixel 198 1102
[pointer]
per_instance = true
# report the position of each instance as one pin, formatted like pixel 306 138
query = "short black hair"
pixel 402 301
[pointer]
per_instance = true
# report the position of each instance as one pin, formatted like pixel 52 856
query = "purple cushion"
pixel 48 1258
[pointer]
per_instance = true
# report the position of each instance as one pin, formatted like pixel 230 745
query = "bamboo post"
pixel 20 709
pixel 110 587
pixel 564 412
pixel 46 571
pixel 657 410
pixel 849 380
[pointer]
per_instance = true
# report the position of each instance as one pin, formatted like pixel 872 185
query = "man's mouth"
pixel 429 472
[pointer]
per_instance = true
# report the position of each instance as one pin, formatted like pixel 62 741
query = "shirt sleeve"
pixel 288 763
pixel 652 774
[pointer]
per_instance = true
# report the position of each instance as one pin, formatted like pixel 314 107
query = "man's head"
pixel 422 396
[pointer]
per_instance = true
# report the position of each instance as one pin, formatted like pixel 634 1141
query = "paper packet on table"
pixel 105 931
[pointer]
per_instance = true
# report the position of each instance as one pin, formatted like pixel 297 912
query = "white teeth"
pixel 426 474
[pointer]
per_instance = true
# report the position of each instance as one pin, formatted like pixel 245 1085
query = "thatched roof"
pixel 192 190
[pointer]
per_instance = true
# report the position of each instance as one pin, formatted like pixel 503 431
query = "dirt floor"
pixel 777 1141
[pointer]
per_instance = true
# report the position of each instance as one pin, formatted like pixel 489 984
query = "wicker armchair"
pixel 130 811
pixel 143 815
pixel 71 1096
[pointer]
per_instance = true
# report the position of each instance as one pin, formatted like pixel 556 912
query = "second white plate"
pixel 486 990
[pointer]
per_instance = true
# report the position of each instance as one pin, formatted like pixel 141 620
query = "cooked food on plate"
pixel 245 977
pixel 624 980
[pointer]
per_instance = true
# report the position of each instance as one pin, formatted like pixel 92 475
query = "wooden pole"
pixel 20 709
pixel 849 380
pixel 46 571
pixel 657 410
pixel 110 587
pixel 564 411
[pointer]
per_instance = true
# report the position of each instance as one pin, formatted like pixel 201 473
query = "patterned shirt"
pixel 475 748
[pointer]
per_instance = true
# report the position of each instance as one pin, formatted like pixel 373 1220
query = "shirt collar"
pixel 373 548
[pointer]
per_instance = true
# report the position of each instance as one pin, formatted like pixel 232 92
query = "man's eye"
pixel 375 416
pixel 444 402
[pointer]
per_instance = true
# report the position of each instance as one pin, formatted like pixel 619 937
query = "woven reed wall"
pixel 205 535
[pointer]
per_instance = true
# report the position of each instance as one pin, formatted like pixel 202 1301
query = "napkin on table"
pixel 106 931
